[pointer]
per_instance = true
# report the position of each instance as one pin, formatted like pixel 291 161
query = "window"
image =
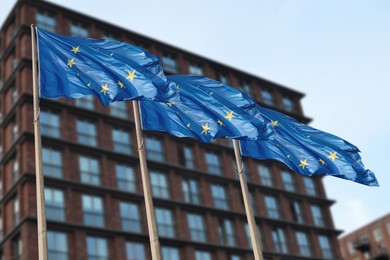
pixel 288 181
pixel 86 132
pixel 213 163
pixel 317 216
pixel 265 175
pixel 185 156
pixel 222 77
pixel 122 141
pixel 248 236
pixel 303 244
pixel 351 247
pixel 325 247
pixel 267 97
pixel 15 170
pixel 165 225
pixel 169 63
pixel 279 240
pixel 235 257
pixel 45 21
pixel 16 211
pixel 388 227
pixel 195 69
pixel 118 109
pixel 170 253
pixel 288 104
pixel 378 234
pixel 77 29
pixel 309 185
pixel 135 251
pixel 93 211
pixel 159 183
pixel 89 170
pixel 97 248
pixel 130 217
pixel 246 87
pixel 197 228
pixel 226 232
pixel 50 123
pixel 190 191
pixel 252 200
pixel 202 255
pixel 272 207
pixel 86 102
pixel 219 196
pixel 154 149
pixel 125 178
pixel 14 94
pixel 14 131
pixel 17 249
pixel 52 162
pixel 296 212
pixel 57 245
pixel 55 204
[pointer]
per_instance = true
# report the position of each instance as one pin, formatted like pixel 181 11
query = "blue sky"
pixel 337 52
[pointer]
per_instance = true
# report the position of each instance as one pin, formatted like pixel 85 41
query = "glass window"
pixel 185 156
pixel 159 183
pixel 272 207
pixel 197 228
pixel 125 177
pixel 248 236
pixel 57 245
pixel 16 211
pixel 89 170
pixel 170 253
pixel 235 257
pixel 378 234
pixel 77 29
pixel 279 240
pixel 165 223
pixel 55 204
pixel 226 232
pixel 118 109
pixel 14 95
pixel 309 185
pixel 97 248
pixel 202 255
pixel 154 149
pixel 169 63
pixel 93 211
pixel 50 123
pixel 14 131
pixel 296 212
pixel 86 132
pixel 303 244
pixel 52 162
pixel 288 181
pixel 265 175
pixel 388 227
pixel 246 87
pixel 267 97
pixel 213 163
pixel 45 21
pixel 122 141
pixel 219 196
pixel 325 247
pixel 288 104
pixel 112 37
pixel 222 77
pixel 15 170
pixel 190 191
pixel 87 102
pixel 130 217
pixel 317 216
pixel 135 251
pixel 351 247
pixel 195 69
pixel 17 249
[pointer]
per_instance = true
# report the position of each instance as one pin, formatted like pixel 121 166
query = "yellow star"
pixel 189 125
pixel 206 128
pixel 131 75
pixel 76 49
pixel 229 115
pixel 333 156
pixel 170 104
pixel 121 85
pixel 111 54
pixel 220 122
pixel 104 89
pixel 274 123
pixel 322 161
pixel 303 163
pixel 71 63
pixel 211 93
pixel 89 85
pixel 288 156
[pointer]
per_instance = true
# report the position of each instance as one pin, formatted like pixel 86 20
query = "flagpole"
pixel 150 217
pixel 40 193
pixel 256 246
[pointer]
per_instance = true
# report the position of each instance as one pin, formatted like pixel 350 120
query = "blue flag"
pixel 73 67
pixel 205 109
pixel 308 151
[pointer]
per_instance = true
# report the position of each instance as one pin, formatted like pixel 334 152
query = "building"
pixel 94 203
pixel 371 241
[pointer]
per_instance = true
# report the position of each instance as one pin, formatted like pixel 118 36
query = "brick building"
pixel 371 241
pixel 94 202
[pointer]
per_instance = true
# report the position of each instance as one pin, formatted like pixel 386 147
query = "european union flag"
pixel 73 67
pixel 205 109
pixel 308 151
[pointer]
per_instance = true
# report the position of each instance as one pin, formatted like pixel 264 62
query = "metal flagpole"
pixel 41 215
pixel 151 219
pixel 248 208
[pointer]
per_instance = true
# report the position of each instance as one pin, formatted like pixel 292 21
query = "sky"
pixel 336 52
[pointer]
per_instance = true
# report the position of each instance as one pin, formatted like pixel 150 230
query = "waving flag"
pixel 73 67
